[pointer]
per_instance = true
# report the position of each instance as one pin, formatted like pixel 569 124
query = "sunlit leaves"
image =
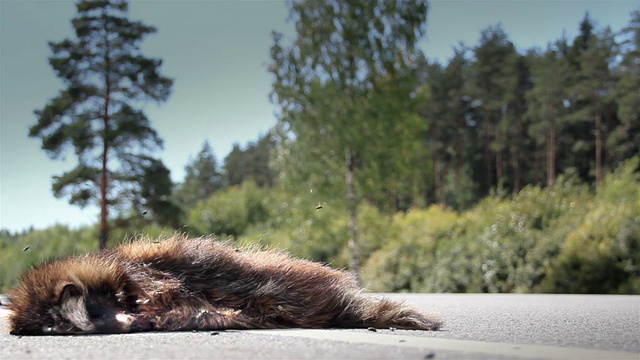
pixel 563 239
pixel 344 88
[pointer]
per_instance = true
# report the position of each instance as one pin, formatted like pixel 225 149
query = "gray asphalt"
pixel 477 326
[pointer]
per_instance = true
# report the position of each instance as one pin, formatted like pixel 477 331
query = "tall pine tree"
pixel 624 139
pixel 593 90
pixel 494 79
pixel 576 145
pixel 252 162
pixel 202 178
pixel 547 102
pixel 104 74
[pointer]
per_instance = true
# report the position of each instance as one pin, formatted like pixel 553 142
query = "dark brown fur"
pixel 195 284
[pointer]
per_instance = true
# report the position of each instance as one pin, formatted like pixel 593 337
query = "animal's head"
pixel 79 295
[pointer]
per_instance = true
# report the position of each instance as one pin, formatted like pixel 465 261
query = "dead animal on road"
pixel 183 284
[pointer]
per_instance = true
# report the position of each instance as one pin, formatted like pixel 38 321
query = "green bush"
pixel 297 224
pixel 500 245
pixel 229 212
pixel 514 238
pixel 405 262
pixel 602 253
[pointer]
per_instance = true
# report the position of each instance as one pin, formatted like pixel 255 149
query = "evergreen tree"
pixel 593 91
pixel 154 197
pixel 447 112
pixel 434 109
pixel 104 75
pixel 236 169
pixel 624 139
pixel 260 155
pixel 253 162
pixel 582 42
pixel 576 145
pixel 458 119
pixel 202 178
pixel 516 140
pixel 494 78
pixel 396 158
pixel 547 102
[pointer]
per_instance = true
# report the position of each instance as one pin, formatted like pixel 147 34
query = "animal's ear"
pixel 67 291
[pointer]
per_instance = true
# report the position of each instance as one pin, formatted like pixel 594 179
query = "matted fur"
pixel 195 284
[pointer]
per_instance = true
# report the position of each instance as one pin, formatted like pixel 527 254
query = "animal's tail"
pixel 385 313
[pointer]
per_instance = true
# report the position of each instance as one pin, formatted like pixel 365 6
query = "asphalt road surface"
pixel 477 326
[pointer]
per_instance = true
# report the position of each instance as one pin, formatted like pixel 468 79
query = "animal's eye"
pixel 94 315
pixel 62 326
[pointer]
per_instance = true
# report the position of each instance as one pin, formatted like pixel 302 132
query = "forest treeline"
pixel 500 170
pixel 570 238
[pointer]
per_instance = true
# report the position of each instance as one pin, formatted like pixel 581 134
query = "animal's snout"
pixel 135 326
pixel 127 322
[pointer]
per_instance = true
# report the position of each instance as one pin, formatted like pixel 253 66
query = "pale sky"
pixel 217 52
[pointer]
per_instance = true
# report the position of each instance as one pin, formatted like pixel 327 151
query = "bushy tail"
pixel 384 313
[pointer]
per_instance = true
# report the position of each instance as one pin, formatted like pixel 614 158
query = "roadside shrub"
pixel 406 261
pixel 229 212
pixel 500 245
pixel 602 253
pixel 22 251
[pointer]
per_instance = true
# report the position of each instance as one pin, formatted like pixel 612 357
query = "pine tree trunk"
pixel 487 157
pixel 104 225
pixel 458 160
pixel 551 156
pixel 499 160
pixel 437 176
pixel 598 149
pixel 537 164
pixel 392 196
pixel 517 158
pixel 104 203
pixel 354 245
pixel 418 198
pixel 516 170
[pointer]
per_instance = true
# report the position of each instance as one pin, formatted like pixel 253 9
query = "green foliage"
pixel 602 253
pixel 202 179
pixel 562 239
pixel 250 163
pixel 317 230
pixel 547 97
pixel 494 85
pixel 155 194
pixel 460 192
pixel 405 260
pixel 345 86
pixel 19 252
pixel 229 212
pixel 624 139
pixel 300 223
